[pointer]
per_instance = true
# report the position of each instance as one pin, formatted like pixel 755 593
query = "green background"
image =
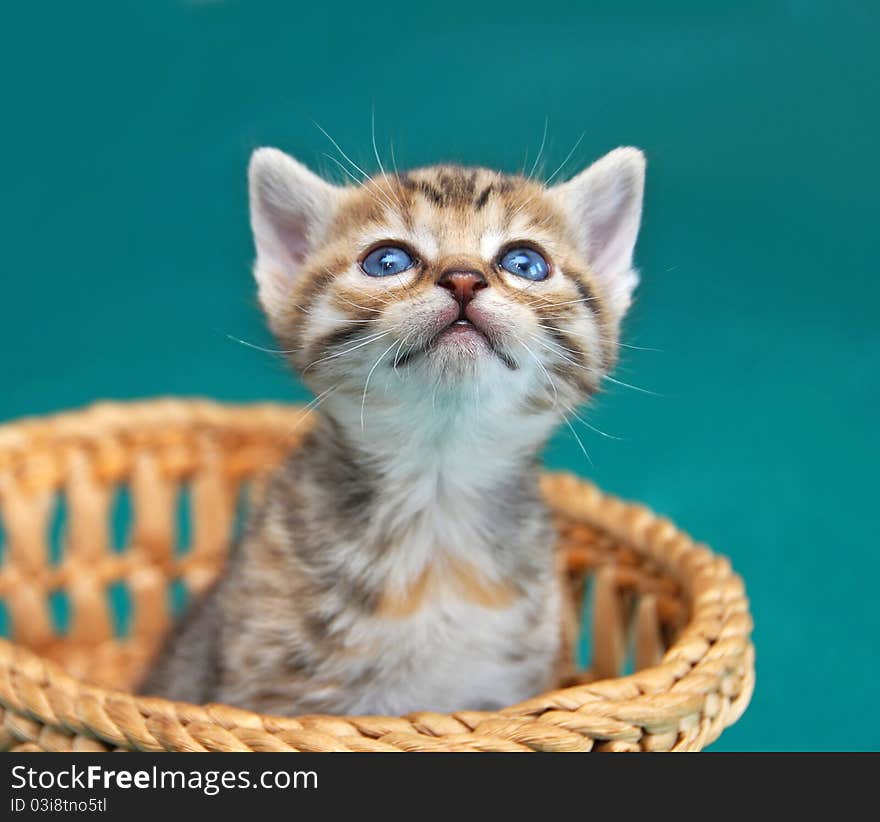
pixel 125 255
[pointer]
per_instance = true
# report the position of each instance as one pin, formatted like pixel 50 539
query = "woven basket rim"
pixel 702 685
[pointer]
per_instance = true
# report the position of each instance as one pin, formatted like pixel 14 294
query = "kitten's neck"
pixel 449 483
pixel 445 445
pixel 408 493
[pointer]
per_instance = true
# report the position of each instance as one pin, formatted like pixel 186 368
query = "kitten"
pixel 448 319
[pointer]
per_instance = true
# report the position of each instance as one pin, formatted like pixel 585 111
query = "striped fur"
pixel 402 559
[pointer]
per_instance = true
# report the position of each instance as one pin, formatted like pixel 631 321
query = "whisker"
pixel 367 381
pixel 355 305
pixel 604 339
pixel 361 344
pixel 313 405
pixel 556 403
pixel 260 347
pixel 560 346
pixel 372 296
pixel 558 352
pixel 342 168
pixel 554 304
pixel 366 177
pixel 581 420
pixel 527 202
pixel 375 297
pixel 362 183
pixel 393 159
pixel 589 338
pixel 379 299
pixel 522 168
pixel 394 299
pixel 633 387
pixel 555 348
pixel 541 366
pixel 336 145
pixel 400 349
pixel 567 158
pixel 534 167
pixel 571 428
pixel 387 185
pixel 638 347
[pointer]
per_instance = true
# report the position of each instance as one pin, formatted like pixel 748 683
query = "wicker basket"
pixel 670 606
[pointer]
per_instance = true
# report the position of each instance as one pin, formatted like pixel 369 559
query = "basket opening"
pixel 120 519
pixel 57 535
pixel 178 597
pixel 242 505
pixel 58 603
pixel 584 647
pixel 120 606
pixel 183 519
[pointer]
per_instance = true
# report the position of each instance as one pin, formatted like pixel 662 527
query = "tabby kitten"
pixel 448 319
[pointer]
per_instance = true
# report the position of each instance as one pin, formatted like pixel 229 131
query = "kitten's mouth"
pixel 464 331
pixel 462 324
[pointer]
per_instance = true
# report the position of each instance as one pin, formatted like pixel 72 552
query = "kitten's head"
pixel 449 282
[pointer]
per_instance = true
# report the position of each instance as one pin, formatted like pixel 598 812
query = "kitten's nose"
pixel 463 284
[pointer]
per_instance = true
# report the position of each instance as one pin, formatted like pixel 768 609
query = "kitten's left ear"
pixel 291 209
pixel 604 207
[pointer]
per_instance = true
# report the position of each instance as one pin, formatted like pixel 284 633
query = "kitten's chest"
pixel 461 621
pixel 454 653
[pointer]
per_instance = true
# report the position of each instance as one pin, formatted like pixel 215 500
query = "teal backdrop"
pixel 125 257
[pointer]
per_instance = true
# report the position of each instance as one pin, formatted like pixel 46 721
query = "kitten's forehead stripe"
pixel 434 195
pixel 456 186
pixel 483 197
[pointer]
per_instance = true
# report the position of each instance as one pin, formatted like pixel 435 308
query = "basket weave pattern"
pixel 676 607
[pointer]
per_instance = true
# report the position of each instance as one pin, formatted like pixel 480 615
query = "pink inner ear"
pixel 281 238
pixel 611 235
pixel 291 235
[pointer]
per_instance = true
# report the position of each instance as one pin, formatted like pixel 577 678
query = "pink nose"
pixel 462 284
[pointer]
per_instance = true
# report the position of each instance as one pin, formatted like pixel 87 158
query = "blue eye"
pixel 525 262
pixel 386 261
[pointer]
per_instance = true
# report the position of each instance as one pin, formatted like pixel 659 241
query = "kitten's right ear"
pixel 291 209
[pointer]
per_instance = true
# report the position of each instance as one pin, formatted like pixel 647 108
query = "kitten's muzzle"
pixel 463 285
